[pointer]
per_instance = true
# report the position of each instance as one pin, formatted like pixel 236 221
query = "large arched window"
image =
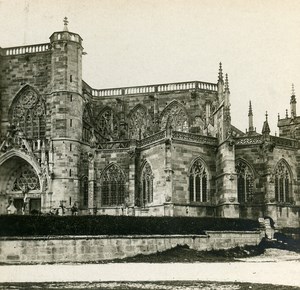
pixel 138 123
pixel 282 182
pixel 198 182
pixel 147 184
pixel 28 114
pixel 174 115
pixel 112 185
pixel 108 125
pixel 244 181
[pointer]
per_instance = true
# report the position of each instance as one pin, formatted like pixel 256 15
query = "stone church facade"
pixel 163 150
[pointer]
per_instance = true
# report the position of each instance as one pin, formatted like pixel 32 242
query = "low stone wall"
pixel 36 250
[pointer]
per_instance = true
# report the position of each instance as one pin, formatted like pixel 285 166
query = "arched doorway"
pixel 20 186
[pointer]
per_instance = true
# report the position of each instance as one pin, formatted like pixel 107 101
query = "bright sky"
pixel 139 42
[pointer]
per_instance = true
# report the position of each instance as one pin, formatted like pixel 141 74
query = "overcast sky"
pixel 138 42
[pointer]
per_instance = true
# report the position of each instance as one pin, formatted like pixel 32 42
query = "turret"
pixel 66 83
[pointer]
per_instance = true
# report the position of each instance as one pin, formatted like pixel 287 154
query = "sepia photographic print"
pixel 149 144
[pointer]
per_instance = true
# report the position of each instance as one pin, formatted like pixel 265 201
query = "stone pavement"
pixel 278 273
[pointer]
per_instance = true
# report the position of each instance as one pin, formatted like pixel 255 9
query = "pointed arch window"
pixel 282 182
pixel 245 181
pixel 198 182
pixel 175 116
pixel 147 184
pixel 138 123
pixel 28 114
pixel 112 185
pixel 108 124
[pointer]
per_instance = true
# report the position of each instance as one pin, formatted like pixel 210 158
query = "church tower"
pixel 66 109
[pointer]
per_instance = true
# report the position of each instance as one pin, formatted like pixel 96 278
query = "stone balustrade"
pixel 26 49
pixel 183 86
pixel 196 138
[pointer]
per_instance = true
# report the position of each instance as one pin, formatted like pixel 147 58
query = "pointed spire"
pixel 278 116
pixel 293 90
pixel 266 128
pixel 293 102
pixel 250 119
pixel 286 113
pixel 250 109
pixel 66 24
pixel 220 78
pixel 226 83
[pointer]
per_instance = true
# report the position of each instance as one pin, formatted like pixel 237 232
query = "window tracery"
pixel 27 180
pixel 112 186
pixel 198 187
pixel 108 124
pixel 282 182
pixel 245 181
pixel 175 116
pixel 138 123
pixel 28 114
pixel 147 184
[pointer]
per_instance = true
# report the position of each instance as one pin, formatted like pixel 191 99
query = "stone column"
pixel 91 199
pixel 226 181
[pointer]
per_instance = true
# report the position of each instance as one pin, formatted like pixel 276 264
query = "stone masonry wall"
pixel 38 250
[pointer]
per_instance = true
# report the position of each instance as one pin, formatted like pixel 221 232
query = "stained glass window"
pixel 138 123
pixel 112 186
pixel 147 184
pixel 108 124
pixel 28 114
pixel 244 182
pixel 198 182
pixel 282 182
pixel 175 116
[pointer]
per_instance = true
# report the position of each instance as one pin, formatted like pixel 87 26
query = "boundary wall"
pixel 77 249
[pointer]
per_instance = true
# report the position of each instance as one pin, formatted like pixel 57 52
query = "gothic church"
pixel 155 150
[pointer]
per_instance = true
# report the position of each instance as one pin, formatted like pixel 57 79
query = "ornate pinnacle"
pixel 267 116
pixel 286 113
pixel 66 24
pixel 293 90
pixel 220 79
pixel 250 109
pixel 226 83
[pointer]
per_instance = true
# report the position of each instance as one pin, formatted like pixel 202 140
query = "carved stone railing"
pixel 182 86
pixel 284 142
pixel 152 139
pixel 249 140
pixel 114 145
pixel 194 138
pixel 26 49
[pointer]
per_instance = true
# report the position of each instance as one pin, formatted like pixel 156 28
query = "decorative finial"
pixel 267 116
pixel 286 113
pixel 278 116
pixel 250 109
pixel 293 90
pixel 226 82
pixel 220 79
pixel 66 24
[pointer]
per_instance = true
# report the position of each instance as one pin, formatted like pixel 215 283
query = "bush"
pixel 14 225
